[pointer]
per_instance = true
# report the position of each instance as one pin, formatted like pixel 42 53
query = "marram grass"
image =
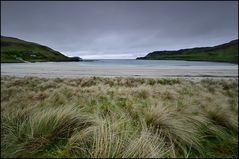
pixel 118 117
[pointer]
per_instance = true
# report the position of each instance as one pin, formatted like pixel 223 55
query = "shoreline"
pixel 78 70
pixel 231 62
pixel 183 77
pixel 92 60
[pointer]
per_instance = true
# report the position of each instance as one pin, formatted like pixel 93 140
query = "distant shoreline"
pixel 227 52
pixel 92 60
pixel 232 62
pixel 53 61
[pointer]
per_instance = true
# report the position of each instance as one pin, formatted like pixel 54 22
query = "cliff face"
pixel 227 52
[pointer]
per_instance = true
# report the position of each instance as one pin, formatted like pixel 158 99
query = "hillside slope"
pixel 227 52
pixel 17 50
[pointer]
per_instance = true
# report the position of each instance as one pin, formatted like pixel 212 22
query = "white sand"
pixel 72 70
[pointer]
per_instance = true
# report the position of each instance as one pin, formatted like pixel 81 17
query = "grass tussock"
pixel 118 117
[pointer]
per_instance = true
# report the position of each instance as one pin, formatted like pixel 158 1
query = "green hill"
pixel 227 52
pixel 17 50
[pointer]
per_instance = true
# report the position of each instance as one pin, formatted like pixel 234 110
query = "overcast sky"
pixel 120 29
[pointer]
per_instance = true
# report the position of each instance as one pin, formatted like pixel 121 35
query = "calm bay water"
pixel 145 63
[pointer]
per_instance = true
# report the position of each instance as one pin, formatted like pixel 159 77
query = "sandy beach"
pixel 74 70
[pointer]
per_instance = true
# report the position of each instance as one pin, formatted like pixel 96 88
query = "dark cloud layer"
pixel 120 29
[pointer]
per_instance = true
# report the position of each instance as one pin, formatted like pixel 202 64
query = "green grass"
pixel 118 117
pixel 221 53
pixel 12 49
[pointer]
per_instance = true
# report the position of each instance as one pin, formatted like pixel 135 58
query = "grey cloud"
pixel 120 29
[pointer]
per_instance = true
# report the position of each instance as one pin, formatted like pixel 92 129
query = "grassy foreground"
pixel 118 117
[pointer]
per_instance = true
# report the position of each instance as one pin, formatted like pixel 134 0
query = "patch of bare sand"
pixel 66 70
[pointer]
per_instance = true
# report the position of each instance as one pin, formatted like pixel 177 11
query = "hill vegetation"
pixel 16 50
pixel 222 53
pixel 118 117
